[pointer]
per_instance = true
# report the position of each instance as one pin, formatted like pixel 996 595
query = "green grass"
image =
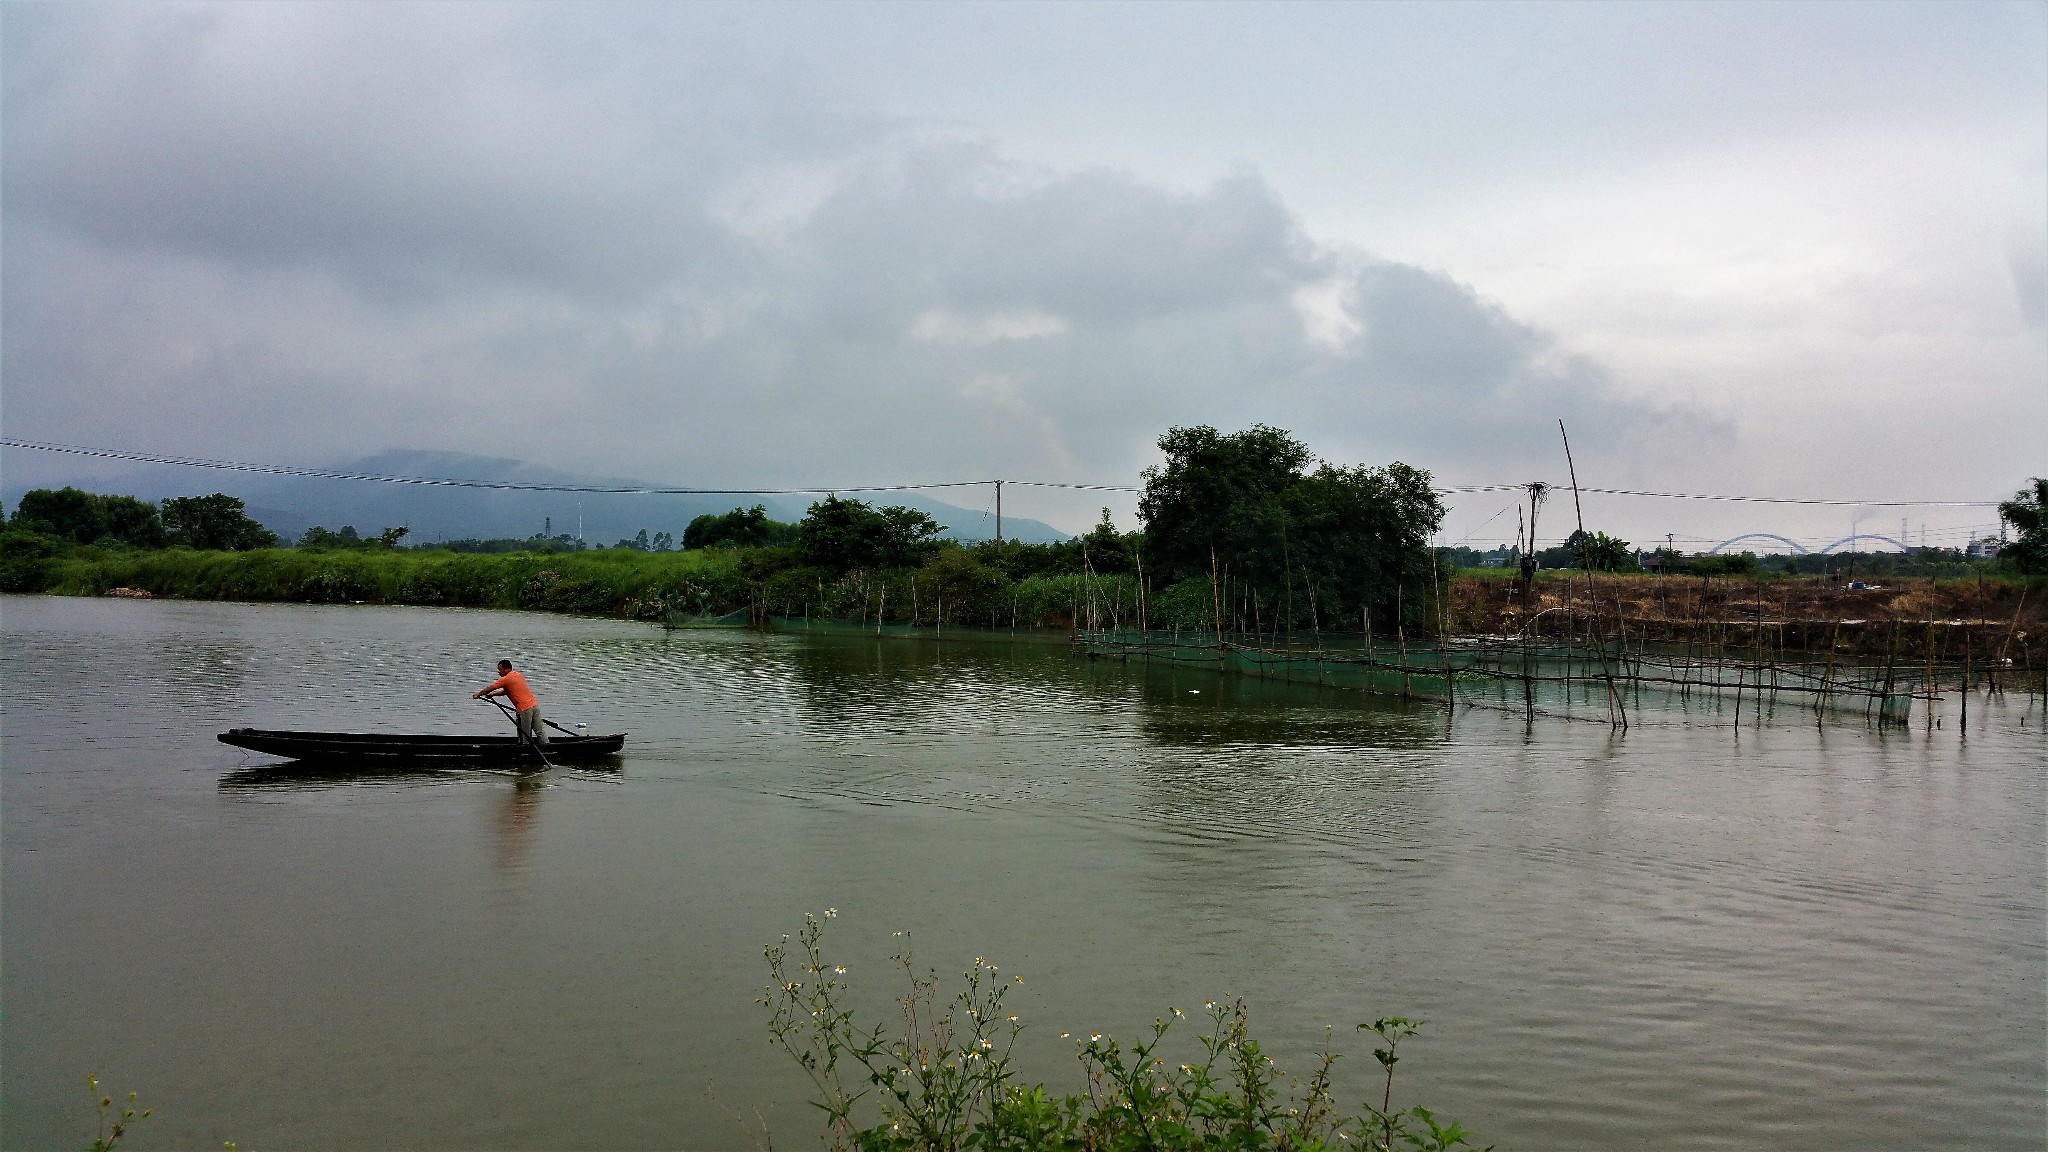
pixel 605 582
pixel 611 582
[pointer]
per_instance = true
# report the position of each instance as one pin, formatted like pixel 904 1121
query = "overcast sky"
pixel 1760 249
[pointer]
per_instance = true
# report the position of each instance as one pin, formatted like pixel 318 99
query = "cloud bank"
pixel 687 245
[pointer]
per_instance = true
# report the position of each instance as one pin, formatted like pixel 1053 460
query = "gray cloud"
pixel 2029 264
pixel 294 234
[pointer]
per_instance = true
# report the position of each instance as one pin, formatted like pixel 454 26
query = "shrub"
pixel 1742 564
pixel 27 560
pixel 941 1079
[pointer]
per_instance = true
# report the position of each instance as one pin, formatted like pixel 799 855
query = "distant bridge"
pixel 1802 549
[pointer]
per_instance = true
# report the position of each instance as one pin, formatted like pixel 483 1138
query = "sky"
pixel 1775 249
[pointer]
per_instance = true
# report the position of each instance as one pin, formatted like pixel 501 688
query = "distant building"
pixel 1985 548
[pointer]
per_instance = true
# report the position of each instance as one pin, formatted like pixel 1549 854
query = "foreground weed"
pixel 939 1078
pixel 112 1124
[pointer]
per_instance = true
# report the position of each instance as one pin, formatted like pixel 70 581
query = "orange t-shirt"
pixel 515 688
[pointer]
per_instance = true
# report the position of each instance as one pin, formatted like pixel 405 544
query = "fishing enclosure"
pixel 1609 643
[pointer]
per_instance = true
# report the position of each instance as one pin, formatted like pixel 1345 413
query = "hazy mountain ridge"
pixel 291 504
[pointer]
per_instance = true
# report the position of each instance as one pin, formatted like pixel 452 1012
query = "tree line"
pixel 1247 532
pixel 216 523
pixel 1242 531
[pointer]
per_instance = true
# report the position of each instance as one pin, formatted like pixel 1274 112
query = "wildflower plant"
pixel 939 1079
pixel 940 1074
pixel 113 1123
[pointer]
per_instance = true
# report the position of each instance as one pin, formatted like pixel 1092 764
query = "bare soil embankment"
pixel 1910 618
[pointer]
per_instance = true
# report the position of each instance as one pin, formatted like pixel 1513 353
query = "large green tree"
pixel 1220 498
pixel 739 528
pixel 2027 512
pixel 843 535
pixel 1321 545
pixel 1595 550
pixel 214 523
pixel 87 517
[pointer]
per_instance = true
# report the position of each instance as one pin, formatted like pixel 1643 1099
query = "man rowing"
pixel 526 709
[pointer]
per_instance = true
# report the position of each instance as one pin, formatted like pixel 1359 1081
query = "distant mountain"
pixel 290 504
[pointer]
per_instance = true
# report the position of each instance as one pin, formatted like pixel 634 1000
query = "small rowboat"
pixel 396 748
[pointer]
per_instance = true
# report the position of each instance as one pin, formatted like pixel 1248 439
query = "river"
pixel 1797 936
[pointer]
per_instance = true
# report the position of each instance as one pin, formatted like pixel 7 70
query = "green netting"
pixel 906 630
pixel 1508 671
pixel 737 619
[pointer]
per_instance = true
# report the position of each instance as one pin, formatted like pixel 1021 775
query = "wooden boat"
pixel 397 748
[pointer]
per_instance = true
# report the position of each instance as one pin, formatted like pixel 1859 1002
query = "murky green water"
pixel 1815 938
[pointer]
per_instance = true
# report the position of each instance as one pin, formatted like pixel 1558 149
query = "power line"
pixel 642 490
pixel 492 485
pixel 1475 488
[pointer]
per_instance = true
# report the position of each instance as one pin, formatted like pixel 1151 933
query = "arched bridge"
pixel 1787 541
pixel 1802 549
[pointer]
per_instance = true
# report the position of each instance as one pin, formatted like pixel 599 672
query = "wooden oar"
pixel 514 717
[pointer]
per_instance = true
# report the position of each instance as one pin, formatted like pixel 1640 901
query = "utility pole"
pixel 999 511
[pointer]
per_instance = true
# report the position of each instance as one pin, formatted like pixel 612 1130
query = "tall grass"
pixel 953 589
pixel 611 582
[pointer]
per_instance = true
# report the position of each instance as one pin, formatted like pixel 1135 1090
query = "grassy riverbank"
pixel 957 586
pixel 609 582
pixel 983 586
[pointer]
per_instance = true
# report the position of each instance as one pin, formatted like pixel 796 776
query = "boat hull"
pixel 396 748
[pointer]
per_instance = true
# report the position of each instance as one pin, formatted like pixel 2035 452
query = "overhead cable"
pixel 644 490
pixel 450 482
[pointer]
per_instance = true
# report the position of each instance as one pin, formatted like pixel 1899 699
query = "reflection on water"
pixel 310 775
pixel 518 807
pixel 1807 937
pixel 293 775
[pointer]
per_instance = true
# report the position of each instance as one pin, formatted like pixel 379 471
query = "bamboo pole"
pixel 1139 556
pixel 1401 637
pixel 1216 604
pixel 1963 726
pixel 2005 645
pixel 1756 650
pixel 1528 682
pixel 1443 650
pixel 1615 707
pixel 1820 705
pixel 1739 676
pixel 1929 654
pixel 1891 656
